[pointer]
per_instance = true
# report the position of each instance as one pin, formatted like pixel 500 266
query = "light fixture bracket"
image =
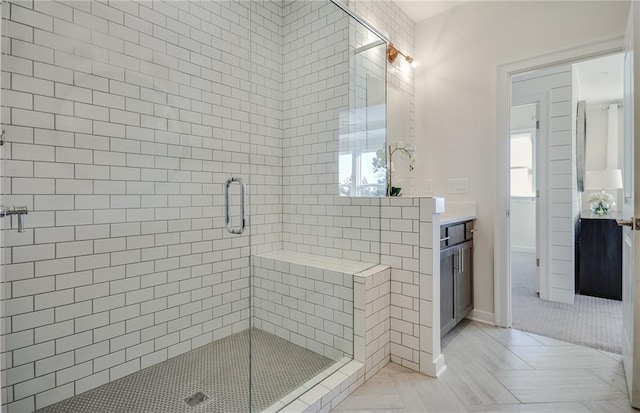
pixel 393 52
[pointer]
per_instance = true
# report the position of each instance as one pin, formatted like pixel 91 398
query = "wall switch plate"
pixel 458 185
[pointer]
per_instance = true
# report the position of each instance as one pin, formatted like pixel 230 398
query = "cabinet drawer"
pixel 469 229
pixel 452 235
pixel 455 234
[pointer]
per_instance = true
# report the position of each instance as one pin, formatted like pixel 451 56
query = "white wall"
pixel 596 142
pixel 456 92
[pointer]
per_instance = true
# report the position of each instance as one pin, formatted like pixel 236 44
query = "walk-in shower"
pixel 186 246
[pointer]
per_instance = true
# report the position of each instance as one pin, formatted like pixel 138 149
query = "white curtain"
pixel 613 137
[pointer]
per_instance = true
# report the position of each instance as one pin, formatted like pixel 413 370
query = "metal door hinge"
pixel 537 124
pixel 537 262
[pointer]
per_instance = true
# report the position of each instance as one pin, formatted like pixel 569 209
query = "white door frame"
pixel 501 254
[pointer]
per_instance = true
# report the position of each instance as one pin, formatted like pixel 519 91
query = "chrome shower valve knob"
pixel 20 211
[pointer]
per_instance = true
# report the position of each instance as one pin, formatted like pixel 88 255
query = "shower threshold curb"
pixel 327 394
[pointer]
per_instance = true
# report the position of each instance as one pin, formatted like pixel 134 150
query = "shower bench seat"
pixel 335 307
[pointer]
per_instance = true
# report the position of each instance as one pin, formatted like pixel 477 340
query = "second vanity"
pixel 456 269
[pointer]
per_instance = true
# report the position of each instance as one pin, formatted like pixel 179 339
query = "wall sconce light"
pixel 392 55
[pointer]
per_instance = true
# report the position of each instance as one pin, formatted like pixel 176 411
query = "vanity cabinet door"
pixel 464 281
pixel 600 263
pixel 456 274
pixel 448 266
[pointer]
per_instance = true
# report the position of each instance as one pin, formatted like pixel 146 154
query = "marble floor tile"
pixel 474 345
pixel 473 384
pixel 379 392
pixel 509 337
pixel 430 395
pixel 382 411
pixel 569 407
pixel 491 369
pixel 610 406
pixel 563 357
pixel 617 357
pixel 539 386
pixel 613 376
pixel 547 341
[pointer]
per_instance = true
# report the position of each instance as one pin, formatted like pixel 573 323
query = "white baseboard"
pixel 520 248
pixel 562 296
pixel 482 317
pixel 433 368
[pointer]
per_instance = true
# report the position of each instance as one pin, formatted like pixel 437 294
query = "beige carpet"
pixel 590 321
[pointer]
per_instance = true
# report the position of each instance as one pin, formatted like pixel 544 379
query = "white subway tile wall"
pixel 316 95
pixel 372 322
pixel 401 251
pixel 319 40
pixel 409 228
pixel 124 119
pixel 307 305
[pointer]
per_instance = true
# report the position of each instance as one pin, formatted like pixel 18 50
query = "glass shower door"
pixel 330 78
pixel 125 292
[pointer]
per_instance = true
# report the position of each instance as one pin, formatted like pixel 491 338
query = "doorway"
pixel 554 112
pixel 524 208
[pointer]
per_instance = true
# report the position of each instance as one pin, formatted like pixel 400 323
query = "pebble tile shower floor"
pixel 220 370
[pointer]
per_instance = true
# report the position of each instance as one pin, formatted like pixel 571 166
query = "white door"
pixel 526 213
pixel 631 211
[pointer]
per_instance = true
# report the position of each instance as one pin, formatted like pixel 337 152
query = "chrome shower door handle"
pixel 243 216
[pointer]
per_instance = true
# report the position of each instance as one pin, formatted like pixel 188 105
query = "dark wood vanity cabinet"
pixel 599 258
pixel 456 274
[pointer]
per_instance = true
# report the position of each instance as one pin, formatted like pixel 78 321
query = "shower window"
pixel 358 177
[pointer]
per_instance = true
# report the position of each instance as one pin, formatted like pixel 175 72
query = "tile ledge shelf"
pixel 340 265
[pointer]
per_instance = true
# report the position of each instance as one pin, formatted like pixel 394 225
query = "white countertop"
pixel 615 214
pixel 455 212
pixel 446 219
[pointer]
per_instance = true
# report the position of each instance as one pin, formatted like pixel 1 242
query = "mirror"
pixel 398 129
pixel 599 85
pixel 363 126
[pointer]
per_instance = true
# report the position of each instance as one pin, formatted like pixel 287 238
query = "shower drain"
pixel 196 399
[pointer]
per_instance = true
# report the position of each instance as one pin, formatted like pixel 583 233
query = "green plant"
pixel 381 162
